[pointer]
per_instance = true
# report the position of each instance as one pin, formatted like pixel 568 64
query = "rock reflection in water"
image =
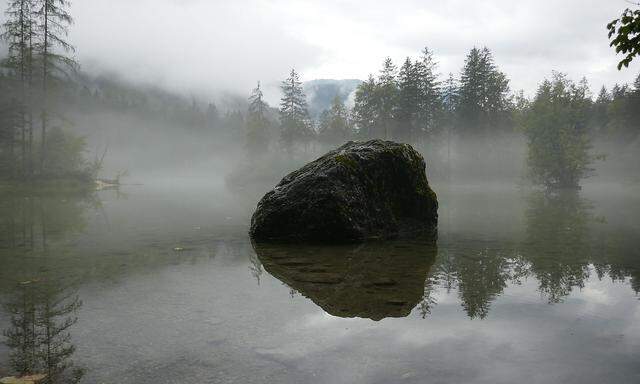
pixel 371 280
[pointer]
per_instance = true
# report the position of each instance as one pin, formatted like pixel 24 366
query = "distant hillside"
pixel 320 93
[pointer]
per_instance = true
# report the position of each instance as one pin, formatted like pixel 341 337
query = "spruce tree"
pixel 430 108
pixel 22 337
pixel 634 108
pixel 408 101
pixel 450 95
pixel 470 92
pixel 52 51
pixel 600 118
pixel 449 109
pixel 41 316
pixel 366 108
pixel 483 95
pixel 18 32
pixel 294 117
pixel 387 96
pixel 619 112
pixel 335 126
pixel 257 124
pixel 56 314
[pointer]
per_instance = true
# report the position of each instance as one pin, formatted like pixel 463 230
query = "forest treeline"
pixel 412 104
pixel 43 89
pixel 32 142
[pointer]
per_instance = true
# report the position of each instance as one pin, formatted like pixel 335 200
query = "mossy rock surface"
pixel 362 190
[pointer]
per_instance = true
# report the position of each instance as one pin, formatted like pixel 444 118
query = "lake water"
pixel 167 287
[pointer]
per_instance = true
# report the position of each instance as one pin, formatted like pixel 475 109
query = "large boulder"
pixel 362 190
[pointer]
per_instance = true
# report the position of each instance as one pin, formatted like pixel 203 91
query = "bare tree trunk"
pixel 45 72
pixel 23 83
pixel 29 90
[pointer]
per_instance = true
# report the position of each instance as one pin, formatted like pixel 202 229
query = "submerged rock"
pixel 362 190
pixel 374 280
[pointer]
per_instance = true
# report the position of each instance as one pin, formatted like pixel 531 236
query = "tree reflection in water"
pixel 564 243
pixel 41 315
pixel 41 307
pixel 560 250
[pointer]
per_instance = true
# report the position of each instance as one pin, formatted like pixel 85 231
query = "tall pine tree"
pixel 483 101
pixel 387 97
pixel 52 52
pixel 448 118
pixel 18 32
pixel 335 127
pixel 257 124
pixel 294 117
pixel 408 101
pixel 366 108
pixel 430 107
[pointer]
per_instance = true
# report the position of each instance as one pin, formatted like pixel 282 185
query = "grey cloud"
pixel 200 46
pixel 211 46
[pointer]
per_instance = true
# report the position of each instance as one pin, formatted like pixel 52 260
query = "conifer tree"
pixel 483 95
pixel 472 80
pixel 52 51
pixel 257 124
pixel 619 112
pixel 366 108
pixel 430 107
pixel 41 316
pixel 408 101
pixel 600 119
pixel 294 117
pixel 449 110
pixel 18 32
pixel 450 94
pixel 387 96
pixel 55 316
pixel 335 126
pixel 634 107
pixel 22 337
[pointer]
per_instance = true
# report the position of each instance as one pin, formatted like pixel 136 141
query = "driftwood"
pixel 102 184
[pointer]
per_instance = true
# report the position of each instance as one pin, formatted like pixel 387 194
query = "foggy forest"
pixel 295 192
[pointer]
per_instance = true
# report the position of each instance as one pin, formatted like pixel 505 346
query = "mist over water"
pixel 170 280
pixel 128 181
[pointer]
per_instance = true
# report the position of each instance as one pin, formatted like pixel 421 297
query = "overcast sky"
pixel 213 45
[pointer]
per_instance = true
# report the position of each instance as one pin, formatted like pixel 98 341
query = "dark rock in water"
pixel 362 190
pixel 375 280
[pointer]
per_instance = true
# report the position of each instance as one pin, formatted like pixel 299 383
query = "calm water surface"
pixel 167 288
